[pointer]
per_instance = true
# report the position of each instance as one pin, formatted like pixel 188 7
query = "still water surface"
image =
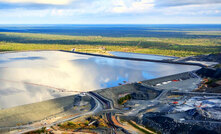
pixel 28 77
pixel 141 56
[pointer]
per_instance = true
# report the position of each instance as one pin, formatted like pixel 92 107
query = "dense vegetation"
pixel 158 31
pixel 10 41
pixel 124 99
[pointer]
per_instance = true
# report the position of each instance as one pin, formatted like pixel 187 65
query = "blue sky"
pixel 110 11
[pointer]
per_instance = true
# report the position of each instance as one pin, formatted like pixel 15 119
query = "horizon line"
pixel 118 24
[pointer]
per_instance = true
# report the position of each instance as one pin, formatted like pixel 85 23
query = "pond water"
pixel 141 56
pixel 28 77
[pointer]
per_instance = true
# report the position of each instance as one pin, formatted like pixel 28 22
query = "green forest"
pixel 180 47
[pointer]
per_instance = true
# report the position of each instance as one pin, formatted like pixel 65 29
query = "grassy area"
pixel 84 124
pixel 39 131
pixel 204 33
pixel 142 129
pixel 179 47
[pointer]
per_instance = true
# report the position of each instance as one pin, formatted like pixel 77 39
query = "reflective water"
pixel 28 77
pixel 142 56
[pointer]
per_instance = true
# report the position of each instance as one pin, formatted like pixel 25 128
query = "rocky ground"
pixel 212 75
pixel 208 58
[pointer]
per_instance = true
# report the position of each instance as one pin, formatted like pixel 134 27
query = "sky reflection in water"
pixel 28 77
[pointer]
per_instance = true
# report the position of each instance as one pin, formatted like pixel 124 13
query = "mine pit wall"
pixel 34 112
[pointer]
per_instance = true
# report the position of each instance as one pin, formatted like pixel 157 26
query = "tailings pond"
pixel 28 77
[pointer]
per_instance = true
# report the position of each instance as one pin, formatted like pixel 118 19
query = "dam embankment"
pixel 34 112
pixel 139 59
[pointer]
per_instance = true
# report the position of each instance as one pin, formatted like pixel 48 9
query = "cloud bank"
pixel 185 2
pixel 110 11
pixel 119 5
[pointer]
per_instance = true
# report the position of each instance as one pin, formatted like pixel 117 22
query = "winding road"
pixel 27 128
pixel 108 105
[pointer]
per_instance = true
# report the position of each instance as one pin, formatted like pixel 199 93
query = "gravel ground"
pixel 184 85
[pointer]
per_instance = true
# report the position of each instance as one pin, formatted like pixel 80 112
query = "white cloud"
pixel 53 2
pixel 108 11
pixel 185 2
pixel 104 7
pixel 193 10
pixel 131 6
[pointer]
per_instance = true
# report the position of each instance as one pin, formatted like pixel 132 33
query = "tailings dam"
pixel 36 76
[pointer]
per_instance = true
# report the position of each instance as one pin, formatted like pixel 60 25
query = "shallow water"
pixel 28 77
pixel 141 56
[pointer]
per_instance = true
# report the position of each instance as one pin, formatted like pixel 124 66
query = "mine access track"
pixel 108 105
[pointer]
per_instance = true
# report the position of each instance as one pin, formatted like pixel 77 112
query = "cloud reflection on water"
pixel 28 81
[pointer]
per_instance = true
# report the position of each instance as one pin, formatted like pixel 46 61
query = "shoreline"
pixel 138 59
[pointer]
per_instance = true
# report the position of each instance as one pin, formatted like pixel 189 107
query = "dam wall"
pixel 185 75
pixel 34 112
pixel 139 59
